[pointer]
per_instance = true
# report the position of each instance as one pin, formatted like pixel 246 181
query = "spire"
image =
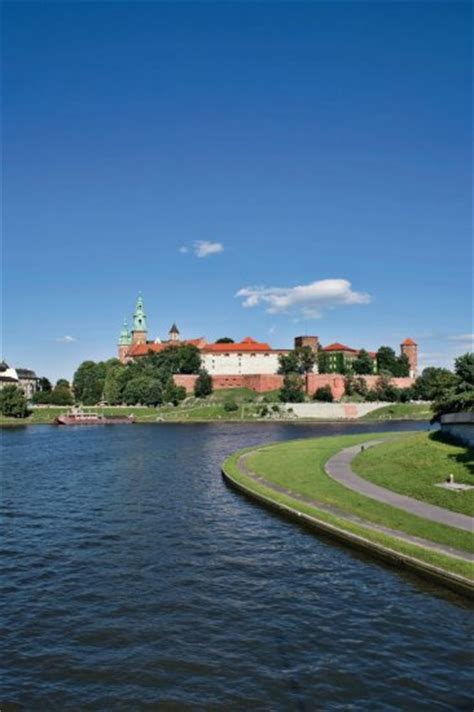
pixel 174 333
pixel 125 339
pixel 139 318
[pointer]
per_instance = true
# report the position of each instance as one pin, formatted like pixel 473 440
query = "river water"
pixel 135 579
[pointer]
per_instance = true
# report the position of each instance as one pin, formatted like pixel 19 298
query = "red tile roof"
pixel 247 344
pixel 409 342
pixel 339 347
pixel 143 349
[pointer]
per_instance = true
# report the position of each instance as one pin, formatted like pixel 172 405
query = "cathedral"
pixel 135 343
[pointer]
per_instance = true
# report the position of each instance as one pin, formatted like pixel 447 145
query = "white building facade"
pixel 246 358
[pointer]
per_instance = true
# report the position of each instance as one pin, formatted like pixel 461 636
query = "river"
pixel 135 579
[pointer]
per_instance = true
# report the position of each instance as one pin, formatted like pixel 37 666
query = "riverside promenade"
pixel 339 468
pixel 244 468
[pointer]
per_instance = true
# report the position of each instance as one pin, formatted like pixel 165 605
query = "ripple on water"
pixel 134 578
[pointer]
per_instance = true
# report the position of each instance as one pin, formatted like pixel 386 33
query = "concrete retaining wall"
pixel 459 426
pixel 332 411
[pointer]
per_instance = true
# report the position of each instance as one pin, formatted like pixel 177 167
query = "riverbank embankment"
pixel 292 479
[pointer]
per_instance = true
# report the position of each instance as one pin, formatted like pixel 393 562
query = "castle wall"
pixel 262 383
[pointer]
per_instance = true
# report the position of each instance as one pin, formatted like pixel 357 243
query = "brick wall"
pixel 263 383
pixel 336 383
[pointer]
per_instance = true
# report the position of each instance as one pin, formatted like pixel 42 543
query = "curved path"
pixel 331 509
pixel 339 468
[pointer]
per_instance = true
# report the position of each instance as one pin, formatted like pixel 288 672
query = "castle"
pixel 230 363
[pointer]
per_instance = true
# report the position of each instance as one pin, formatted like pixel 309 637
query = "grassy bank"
pixel 299 467
pixel 249 407
pixel 415 464
pixel 401 411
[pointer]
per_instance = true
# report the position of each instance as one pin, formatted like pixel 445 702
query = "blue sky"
pixel 319 142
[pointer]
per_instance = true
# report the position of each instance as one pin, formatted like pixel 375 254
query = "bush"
pixel 230 405
pixel 41 397
pixel 323 394
pixel 13 402
pixel 173 394
pixel 203 385
pixel 292 390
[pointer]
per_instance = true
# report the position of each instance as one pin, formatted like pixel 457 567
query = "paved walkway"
pixel 339 468
pixel 331 509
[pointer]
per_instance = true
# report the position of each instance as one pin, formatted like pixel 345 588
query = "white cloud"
pixel 184 250
pixel 462 338
pixel 66 339
pixel 203 248
pixel 308 299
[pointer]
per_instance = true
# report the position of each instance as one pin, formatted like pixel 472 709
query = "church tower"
pixel 139 330
pixel 124 342
pixel 174 333
pixel 410 349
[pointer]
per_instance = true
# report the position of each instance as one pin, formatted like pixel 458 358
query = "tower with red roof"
pixel 410 349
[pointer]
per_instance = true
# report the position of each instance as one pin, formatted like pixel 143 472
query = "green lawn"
pixel 193 409
pixel 456 566
pixel 415 464
pixel 401 411
pixel 299 466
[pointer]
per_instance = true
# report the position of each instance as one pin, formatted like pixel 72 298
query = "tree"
pixel 136 390
pixel 363 364
pixel 41 397
pixel 88 382
pixel 13 402
pixel 62 382
pixel 402 366
pixel 459 396
pixel 61 395
pixel 307 358
pixel 293 389
pixel 300 360
pixel 173 394
pixel 44 384
pixel 154 395
pixel 288 363
pixel 323 362
pixel 203 386
pixel 386 360
pixel 360 386
pixel 225 340
pixel 114 384
pixel 384 389
pixel 433 382
pixel 324 394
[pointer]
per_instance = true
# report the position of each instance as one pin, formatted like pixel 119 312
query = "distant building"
pixel 23 378
pixel 246 357
pixel 342 355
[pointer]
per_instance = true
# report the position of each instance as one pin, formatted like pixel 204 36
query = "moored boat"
pixel 77 416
